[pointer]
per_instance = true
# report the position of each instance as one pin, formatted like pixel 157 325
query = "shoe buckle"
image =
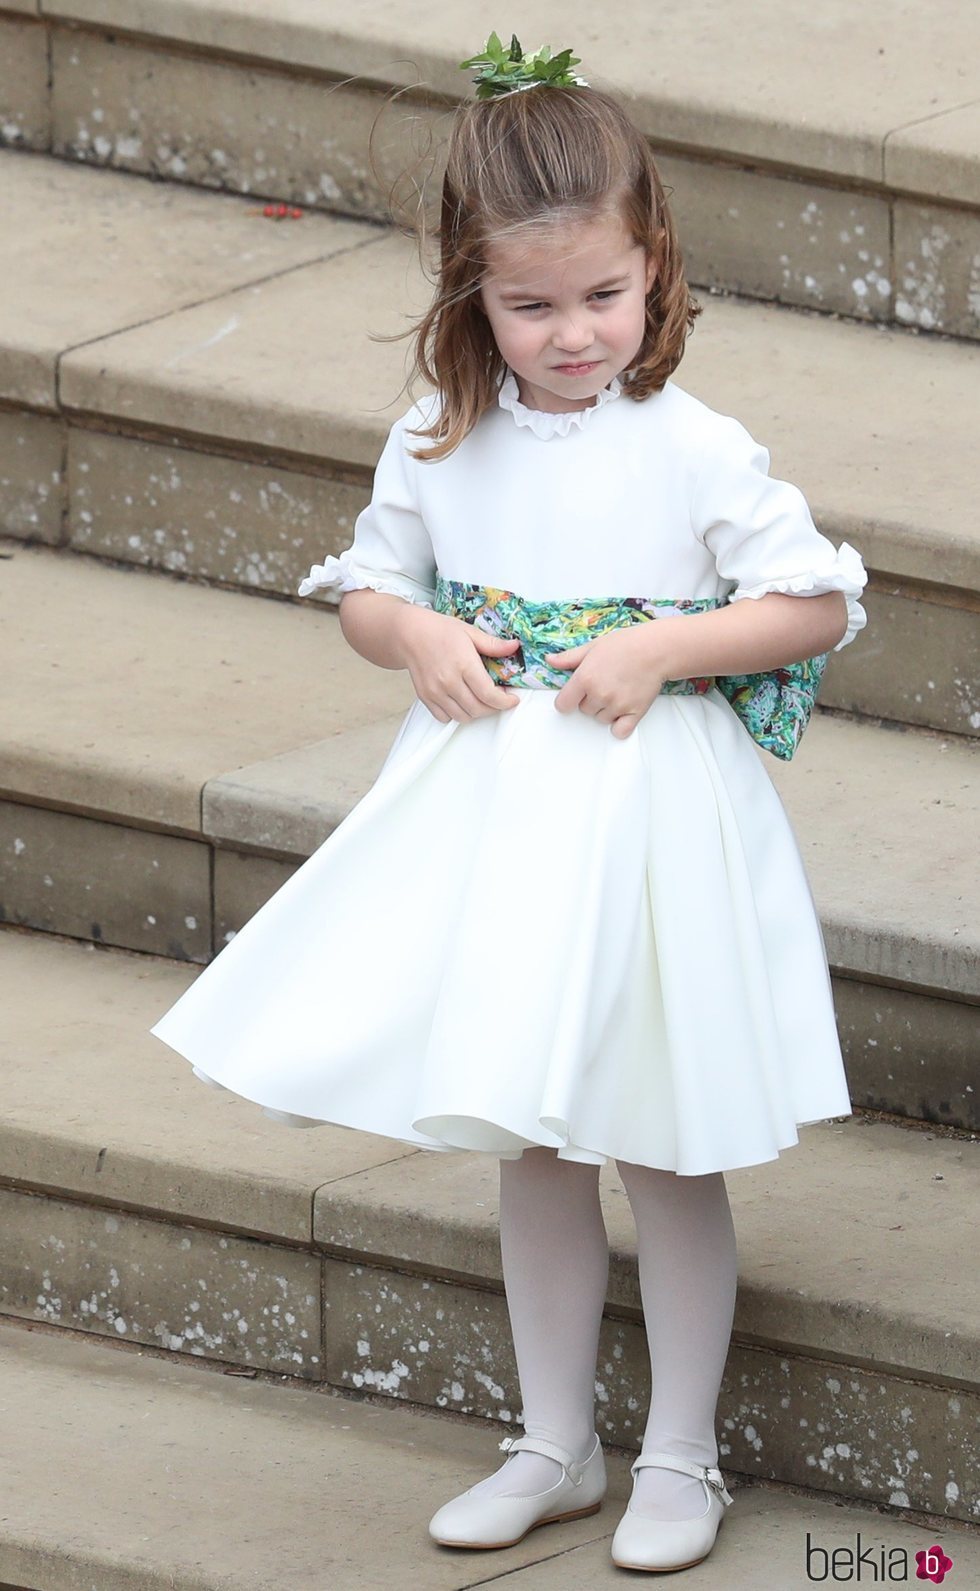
pixel 716 1480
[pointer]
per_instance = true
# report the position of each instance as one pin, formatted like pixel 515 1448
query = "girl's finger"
pixel 485 693
pixel 467 697
pixel 465 703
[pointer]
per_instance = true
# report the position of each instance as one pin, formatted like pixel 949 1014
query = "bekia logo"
pixel 933 1564
pixel 887 1565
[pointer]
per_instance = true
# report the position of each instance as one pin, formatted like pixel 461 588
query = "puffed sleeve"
pixel 760 531
pixel 391 550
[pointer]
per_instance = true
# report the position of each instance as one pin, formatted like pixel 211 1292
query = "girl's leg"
pixel 555 1255
pixel 688 1274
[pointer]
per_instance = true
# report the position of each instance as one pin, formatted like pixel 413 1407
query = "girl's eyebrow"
pixel 612 281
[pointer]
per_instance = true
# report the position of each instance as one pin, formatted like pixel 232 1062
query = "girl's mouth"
pixel 579 369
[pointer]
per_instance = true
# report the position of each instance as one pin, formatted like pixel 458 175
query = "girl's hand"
pixel 443 656
pixel 616 677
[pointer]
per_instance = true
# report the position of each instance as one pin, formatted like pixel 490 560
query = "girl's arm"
pixel 746 637
pixel 374 624
pixel 795 594
pixel 389 571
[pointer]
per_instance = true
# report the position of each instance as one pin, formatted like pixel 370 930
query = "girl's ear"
pixel 651 273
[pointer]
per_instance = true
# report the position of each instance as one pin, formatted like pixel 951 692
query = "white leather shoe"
pixel 469 1521
pixel 641 1543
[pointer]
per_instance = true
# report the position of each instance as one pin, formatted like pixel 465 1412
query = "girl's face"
pixel 567 313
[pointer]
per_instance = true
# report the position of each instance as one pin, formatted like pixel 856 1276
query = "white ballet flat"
pixel 662 1544
pixel 469 1521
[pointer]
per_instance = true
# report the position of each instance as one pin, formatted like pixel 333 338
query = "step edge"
pixel 355 54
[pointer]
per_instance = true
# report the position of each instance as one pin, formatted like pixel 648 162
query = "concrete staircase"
pixel 828 158
pixel 190 410
pixel 239 1464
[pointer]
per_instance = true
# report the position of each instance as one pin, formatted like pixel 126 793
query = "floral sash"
pixel 774 706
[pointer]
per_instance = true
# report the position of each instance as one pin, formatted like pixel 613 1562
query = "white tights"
pixel 555 1256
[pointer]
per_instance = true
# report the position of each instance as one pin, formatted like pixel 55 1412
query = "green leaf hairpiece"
pixel 501 70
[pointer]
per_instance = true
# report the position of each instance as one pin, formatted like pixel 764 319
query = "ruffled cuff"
pixel 846 573
pixel 343 574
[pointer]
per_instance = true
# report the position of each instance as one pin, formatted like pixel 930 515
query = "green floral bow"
pixel 502 71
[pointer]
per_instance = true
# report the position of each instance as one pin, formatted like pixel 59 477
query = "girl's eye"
pixel 608 292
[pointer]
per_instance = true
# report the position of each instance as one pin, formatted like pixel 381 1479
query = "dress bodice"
pixel 652 500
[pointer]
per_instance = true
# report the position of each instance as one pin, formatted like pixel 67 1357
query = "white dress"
pixel 530 931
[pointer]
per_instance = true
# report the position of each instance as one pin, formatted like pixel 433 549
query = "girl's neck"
pixel 544 402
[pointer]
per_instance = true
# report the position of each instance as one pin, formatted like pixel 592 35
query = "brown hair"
pixel 520 161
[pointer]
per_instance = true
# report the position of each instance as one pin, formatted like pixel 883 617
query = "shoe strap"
pixel 709 1473
pixel 539 1444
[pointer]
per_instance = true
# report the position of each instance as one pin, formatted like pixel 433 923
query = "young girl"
pixel 569 923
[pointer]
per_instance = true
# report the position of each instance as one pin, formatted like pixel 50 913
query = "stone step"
pixel 211 1481
pixel 831 163
pixel 161 815
pixel 153 410
pixel 143 1209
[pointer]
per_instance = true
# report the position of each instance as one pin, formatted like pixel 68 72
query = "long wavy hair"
pixel 519 164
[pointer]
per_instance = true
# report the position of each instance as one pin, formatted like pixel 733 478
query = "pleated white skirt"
pixel 531 932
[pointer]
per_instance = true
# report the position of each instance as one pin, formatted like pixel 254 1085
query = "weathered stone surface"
pixel 186 1288
pixel 849 413
pixel 241 1481
pixel 804 1539
pixel 882 1191
pixel 909 1444
pixel 242 884
pixel 347 148
pixel 780 1416
pixel 99 1110
pixel 225 520
pixel 938 155
pixel 855 803
pixel 215 122
pixel 318 115
pixel 793 241
pixel 33 491
pixel 231 371
pixel 937 269
pixel 918 662
pixel 909 1053
pixel 218 371
pixel 156 685
pixel 25 121
pixel 84 253
pixel 839 1242
pixel 784 84
pixel 275 1482
pixel 103 881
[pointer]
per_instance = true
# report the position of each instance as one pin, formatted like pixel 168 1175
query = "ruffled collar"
pixel 541 422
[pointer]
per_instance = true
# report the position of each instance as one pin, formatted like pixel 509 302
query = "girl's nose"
pixel 572 336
